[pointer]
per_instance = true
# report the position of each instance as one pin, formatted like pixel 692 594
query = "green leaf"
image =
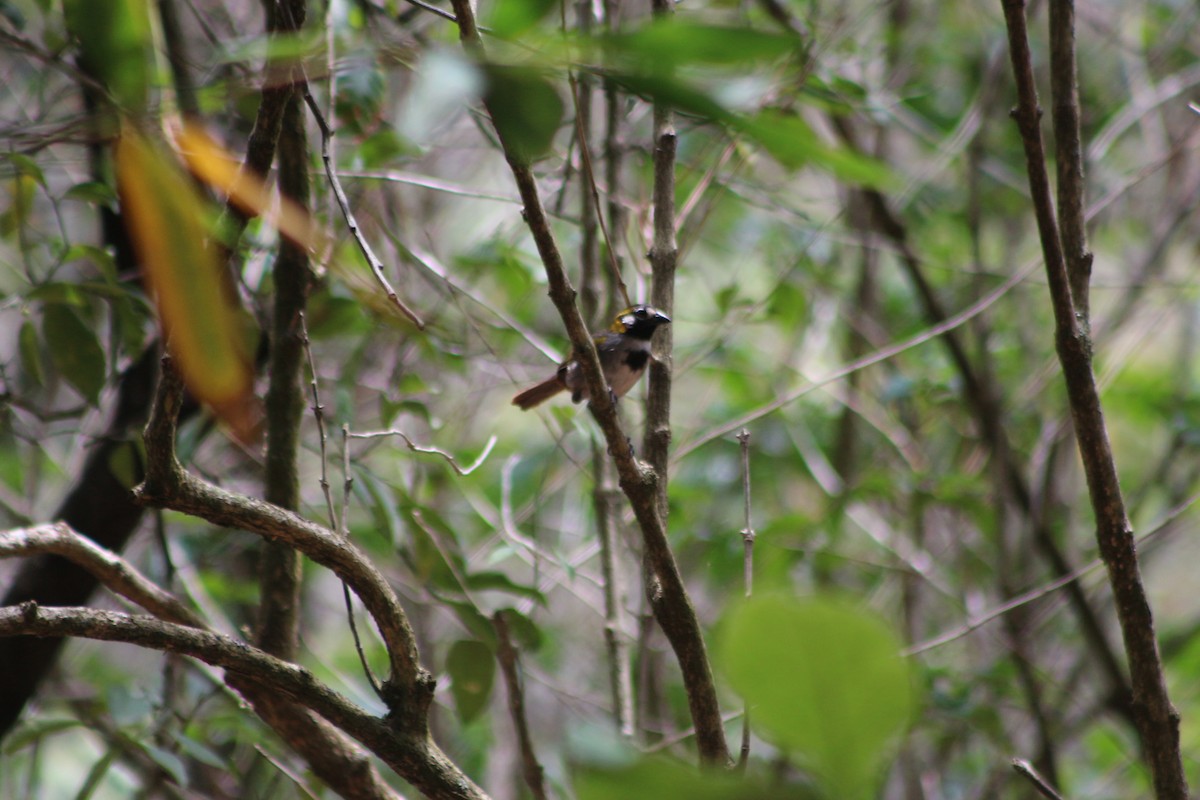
pixel 524 630
pixel 526 110
pixel 792 143
pixel 823 679
pixel 95 192
pixel 668 43
pixel 472 669
pixel 511 18
pixel 125 464
pixel 498 581
pixel 25 165
pixel 115 37
pixel 677 93
pixel 31 355
pixel 653 778
pixel 74 350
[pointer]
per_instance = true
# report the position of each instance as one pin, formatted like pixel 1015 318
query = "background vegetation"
pixel 858 284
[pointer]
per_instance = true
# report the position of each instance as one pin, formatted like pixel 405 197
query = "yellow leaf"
pixel 212 164
pixel 165 217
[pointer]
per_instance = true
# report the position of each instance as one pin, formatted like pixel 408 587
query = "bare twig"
pixel 351 222
pixel 334 524
pixel 585 156
pixel 1026 769
pixel 1157 721
pixel 331 754
pixel 506 654
pixel 748 536
pixel 447 457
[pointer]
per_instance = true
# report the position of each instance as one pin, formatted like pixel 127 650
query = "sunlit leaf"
pixel 21 190
pixel 824 680
pixel 212 164
pixel 164 215
pixel 472 669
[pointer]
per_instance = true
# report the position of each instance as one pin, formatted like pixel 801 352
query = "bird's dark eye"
pixel 640 312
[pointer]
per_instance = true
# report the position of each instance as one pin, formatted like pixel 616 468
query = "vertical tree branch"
pixel 280 565
pixel 673 607
pixel 748 536
pixel 595 303
pixel 506 654
pixel 1068 149
pixel 1157 721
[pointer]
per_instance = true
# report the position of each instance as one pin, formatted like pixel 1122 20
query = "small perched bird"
pixel 624 352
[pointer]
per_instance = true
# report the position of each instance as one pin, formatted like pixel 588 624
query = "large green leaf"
pixel 74 350
pixel 823 679
pixel 672 42
pixel 115 37
pixel 511 18
pixel 657 778
pixel 472 669
pixel 526 110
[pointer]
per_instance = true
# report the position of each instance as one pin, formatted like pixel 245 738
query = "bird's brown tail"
pixel 535 395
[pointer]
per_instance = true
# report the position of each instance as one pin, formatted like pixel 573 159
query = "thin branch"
pixel 334 525
pixel 331 754
pixel 1159 528
pixel 280 567
pixel 1157 721
pixel 506 654
pixel 416 448
pixel 1026 770
pixel 748 536
pixel 585 155
pixel 351 222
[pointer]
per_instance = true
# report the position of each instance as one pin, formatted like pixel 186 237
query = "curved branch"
pixel 110 569
pixel 414 757
pixel 343 765
pixel 409 689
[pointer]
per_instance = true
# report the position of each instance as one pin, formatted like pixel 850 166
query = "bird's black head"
pixel 639 321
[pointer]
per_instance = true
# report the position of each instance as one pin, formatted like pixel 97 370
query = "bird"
pixel 624 351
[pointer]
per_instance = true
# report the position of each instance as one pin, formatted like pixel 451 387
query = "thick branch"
pixel 1157 720
pixel 110 569
pixel 280 567
pixel 333 756
pixel 168 485
pixel 414 757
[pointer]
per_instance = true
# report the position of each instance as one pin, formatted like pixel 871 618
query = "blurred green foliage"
pixel 793 319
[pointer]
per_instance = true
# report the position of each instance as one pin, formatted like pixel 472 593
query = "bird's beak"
pixel 660 317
